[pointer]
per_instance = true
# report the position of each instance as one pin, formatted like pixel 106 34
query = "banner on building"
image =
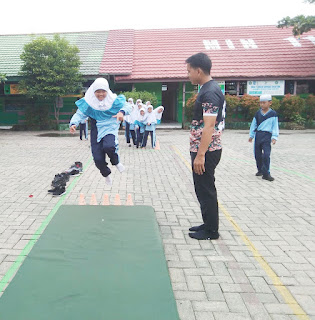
pixel 12 89
pixel 257 88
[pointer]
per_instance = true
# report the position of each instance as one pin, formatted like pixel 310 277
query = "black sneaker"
pixel 259 174
pixel 51 190
pixel 61 176
pixel 269 178
pixel 75 169
pixel 79 166
pixel 59 182
pixel 204 235
pixel 59 191
pixel 74 172
pixel 197 228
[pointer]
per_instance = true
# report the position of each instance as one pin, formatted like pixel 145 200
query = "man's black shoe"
pixel 259 174
pixel 269 178
pixel 204 235
pixel 197 228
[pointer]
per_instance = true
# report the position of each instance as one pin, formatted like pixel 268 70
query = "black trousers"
pixel 106 146
pixel 133 136
pixel 82 130
pixel 145 138
pixel 127 132
pixel 139 138
pixel 262 151
pixel 206 191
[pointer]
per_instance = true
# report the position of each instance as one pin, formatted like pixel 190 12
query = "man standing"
pixel 205 143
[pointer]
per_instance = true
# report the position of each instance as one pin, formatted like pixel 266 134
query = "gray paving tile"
pixel 211 279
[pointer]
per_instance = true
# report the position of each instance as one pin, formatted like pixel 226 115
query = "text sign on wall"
pixel 257 88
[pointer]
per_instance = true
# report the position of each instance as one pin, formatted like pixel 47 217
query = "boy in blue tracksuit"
pixel 105 110
pixel 265 130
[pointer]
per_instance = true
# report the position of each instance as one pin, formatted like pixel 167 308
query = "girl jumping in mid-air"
pixel 105 110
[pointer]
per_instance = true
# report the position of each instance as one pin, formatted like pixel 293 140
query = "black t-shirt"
pixel 210 102
pixel 210 93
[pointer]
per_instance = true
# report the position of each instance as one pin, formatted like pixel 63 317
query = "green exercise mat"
pixel 94 263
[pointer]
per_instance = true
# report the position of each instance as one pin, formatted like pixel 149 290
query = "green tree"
pixel 50 70
pixel 143 95
pixel 300 24
pixel 3 78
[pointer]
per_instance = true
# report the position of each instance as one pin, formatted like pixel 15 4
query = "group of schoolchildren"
pixel 141 122
pixel 106 110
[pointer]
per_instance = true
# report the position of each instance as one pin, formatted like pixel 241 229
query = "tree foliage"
pixel 3 78
pixel 300 24
pixel 143 95
pixel 50 69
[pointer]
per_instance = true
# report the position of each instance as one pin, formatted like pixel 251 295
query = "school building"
pixel 252 60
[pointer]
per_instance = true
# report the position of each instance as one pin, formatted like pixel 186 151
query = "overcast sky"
pixel 34 16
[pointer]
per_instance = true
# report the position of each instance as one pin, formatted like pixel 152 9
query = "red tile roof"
pixel 236 52
pixel 118 55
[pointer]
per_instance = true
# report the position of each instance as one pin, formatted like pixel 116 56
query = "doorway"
pixel 169 101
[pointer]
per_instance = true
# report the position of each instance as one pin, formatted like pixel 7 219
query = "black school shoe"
pixel 259 174
pixel 59 191
pixel 59 182
pixel 269 178
pixel 197 228
pixel 61 176
pixel 204 235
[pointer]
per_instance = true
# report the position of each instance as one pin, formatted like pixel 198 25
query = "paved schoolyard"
pixel 262 267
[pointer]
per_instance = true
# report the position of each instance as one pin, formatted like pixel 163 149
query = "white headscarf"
pixel 134 114
pixel 157 114
pixel 140 117
pixel 90 98
pixel 150 115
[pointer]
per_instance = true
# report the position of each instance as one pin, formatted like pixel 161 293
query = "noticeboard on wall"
pixel 12 89
pixel 257 88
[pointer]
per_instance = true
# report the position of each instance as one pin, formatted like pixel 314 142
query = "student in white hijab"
pixel 105 110
pixel 158 113
pixel 140 123
pixel 150 123
pixel 127 122
pixel 133 117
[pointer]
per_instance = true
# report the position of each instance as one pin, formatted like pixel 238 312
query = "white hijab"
pixel 90 98
pixel 157 114
pixel 150 115
pixel 134 114
pixel 140 117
